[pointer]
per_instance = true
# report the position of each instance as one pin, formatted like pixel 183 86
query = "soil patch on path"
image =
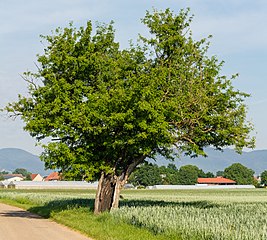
pixel 16 223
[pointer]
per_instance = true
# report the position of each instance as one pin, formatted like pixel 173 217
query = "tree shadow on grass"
pixel 151 203
pixel 61 205
pixel 65 204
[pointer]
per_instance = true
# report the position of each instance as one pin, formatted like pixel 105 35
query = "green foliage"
pixel 146 175
pixel 209 175
pixel 21 171
pixel 264 178
pixel 188 174
pixel 151 174
pixel 171 167
pixel 169 174
pixel 219 173
pixel 1 175
pixel 24 172
pixel 103 108
pixel 239 173
pixel 256 183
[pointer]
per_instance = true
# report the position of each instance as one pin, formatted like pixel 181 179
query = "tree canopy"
pixel 146 175
pixel 151 174
pixel 239 173
pixel 264 178
pixel 169 174
pixel 189 174
pixel 103 110
pixel 24 172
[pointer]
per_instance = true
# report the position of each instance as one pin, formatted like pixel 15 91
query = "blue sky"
pixel 239 38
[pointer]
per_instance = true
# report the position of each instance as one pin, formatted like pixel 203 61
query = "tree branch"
pixel 30 82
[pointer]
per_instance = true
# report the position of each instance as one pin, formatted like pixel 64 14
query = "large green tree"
pixel 189 174
pixel 169 174
pixel 24 172
pixel 146 175
pixel 264 178
pixel 103 110
pixel 239 173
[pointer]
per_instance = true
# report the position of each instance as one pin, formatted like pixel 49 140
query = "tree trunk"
pixel 109 188
pixel 108 192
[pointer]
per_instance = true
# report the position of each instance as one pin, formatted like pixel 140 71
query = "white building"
pixel 53 185
pixel 13 177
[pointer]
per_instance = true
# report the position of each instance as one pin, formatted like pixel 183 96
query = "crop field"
pixel 200 214
pixel 171 214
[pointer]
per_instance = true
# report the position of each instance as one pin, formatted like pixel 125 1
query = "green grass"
pixel 154 214
pixel 75 209
pixel 103 226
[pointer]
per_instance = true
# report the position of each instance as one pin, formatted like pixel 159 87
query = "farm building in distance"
pixel 52 185
pixel 54 176
pixel 36 177
pixel 206 183
pixel 216 181
pixel 13 177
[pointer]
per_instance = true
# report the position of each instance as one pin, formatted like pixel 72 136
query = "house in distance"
pixel 13 177
pixel 54 176
pixel 216 181
pixel 36 177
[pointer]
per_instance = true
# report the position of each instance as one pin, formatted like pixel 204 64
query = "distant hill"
pixel 12 158
pixel 216 160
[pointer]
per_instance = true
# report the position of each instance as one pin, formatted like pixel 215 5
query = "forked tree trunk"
pixel 109 188
pixel 108 192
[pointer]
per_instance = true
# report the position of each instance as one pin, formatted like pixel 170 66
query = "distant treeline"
pixel 149 174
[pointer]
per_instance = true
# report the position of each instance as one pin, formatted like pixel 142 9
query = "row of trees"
pixel 151 174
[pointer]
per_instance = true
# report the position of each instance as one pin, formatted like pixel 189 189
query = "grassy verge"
pixel 78 215
pixel 104 227
pixel 11 202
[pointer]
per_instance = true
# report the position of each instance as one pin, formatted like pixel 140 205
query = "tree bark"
pixel 105 193
pixel 109 188
pixel 108 192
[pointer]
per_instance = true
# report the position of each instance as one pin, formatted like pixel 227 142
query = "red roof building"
pixel 216 181
pixel 54 176
pixel 36 177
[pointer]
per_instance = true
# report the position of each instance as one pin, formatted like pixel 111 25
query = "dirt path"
pixel 16 223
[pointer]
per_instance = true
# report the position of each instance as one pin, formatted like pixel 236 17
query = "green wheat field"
pixel 162 214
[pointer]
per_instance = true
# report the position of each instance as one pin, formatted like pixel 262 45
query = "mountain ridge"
pixel 12 158
pixel 218 161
